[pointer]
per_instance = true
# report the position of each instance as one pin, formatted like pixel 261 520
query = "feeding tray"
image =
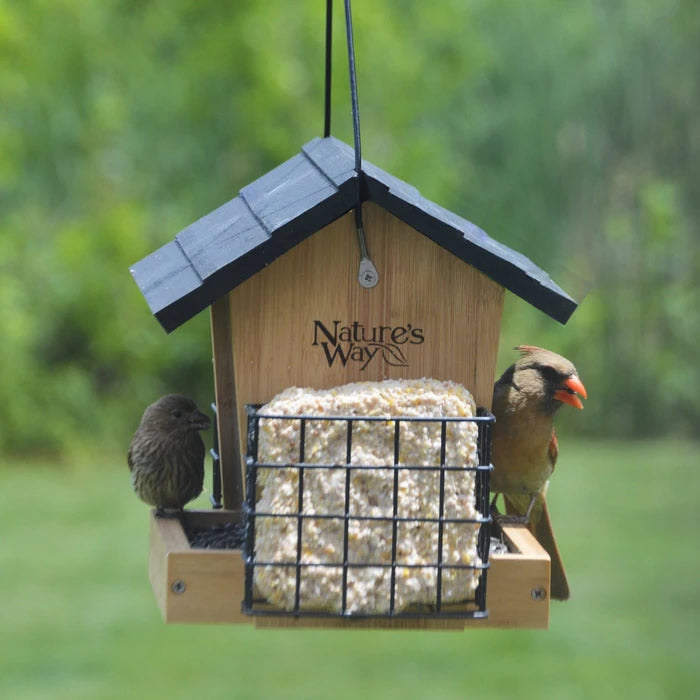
pixel 207 585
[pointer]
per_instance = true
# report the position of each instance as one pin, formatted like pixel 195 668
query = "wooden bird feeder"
pixel 278 267
pixel 296 299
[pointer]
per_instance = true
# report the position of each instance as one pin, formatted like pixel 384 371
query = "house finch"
pixel 166 455
pixel 525 448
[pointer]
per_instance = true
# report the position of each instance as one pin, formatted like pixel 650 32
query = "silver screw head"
pixel 367 275
pixel 178 586
pixel 538 593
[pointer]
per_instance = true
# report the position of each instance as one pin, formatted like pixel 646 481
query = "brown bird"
pixel 166 455
pixel 525 448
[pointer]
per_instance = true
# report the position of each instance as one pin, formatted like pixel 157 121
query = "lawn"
pixel 78 619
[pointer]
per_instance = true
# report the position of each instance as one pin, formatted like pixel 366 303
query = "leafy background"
pixel 567 131
pixel 570 134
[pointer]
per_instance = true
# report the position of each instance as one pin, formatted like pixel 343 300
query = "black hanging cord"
pixel 355 112
pixel 367 275
pixel 329 43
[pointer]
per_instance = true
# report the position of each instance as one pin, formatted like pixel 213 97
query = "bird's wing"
pixel 553 449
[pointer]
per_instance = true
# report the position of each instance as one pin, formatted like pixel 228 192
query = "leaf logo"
pixel 391 353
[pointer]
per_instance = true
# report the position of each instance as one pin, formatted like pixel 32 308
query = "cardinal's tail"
pixel 541 527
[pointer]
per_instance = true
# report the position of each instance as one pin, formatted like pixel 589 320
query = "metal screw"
pixel 538 593
pixel 178 586
pixel 367 276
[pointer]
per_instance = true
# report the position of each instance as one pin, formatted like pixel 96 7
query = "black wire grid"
pixel 470 608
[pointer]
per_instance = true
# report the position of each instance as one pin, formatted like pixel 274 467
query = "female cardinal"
pixel 525 448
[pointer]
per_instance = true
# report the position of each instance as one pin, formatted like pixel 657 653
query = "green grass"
pixel 78 619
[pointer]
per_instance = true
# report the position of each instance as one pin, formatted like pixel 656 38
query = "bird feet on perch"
pixel 168 512
pixel 502 519
pixel 512 519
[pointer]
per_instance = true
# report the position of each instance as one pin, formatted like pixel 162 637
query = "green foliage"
pixel 79 619
pixel 569 133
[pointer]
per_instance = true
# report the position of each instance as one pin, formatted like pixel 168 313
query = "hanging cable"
pixel 329 51
pixel 367 274
pixel 355 105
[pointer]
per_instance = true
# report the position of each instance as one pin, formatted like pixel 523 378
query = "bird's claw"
pixel 511 519
pixel 161 512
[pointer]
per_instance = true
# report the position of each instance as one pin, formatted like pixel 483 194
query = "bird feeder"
pixel 296 299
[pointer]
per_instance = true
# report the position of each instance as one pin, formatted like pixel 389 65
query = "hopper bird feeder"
pixel 296 300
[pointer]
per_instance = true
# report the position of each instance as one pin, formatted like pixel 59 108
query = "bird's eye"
pixel 177 413
pixel 550 374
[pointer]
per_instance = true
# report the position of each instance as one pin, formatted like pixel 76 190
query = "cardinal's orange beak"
pixel 567 392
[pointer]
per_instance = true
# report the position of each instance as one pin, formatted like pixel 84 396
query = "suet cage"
pixel 341 564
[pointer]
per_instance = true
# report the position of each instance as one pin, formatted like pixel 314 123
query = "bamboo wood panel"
pixel 229 447
pixel 512 579
pixel 431 315
pixel 212 584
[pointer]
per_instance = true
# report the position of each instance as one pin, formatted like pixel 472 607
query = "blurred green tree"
pixel 569 133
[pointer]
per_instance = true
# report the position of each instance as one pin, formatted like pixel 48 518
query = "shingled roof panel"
pixel 287 192
pixel 334 158
pixel 223 235
pixel 165 276
pixel 302 195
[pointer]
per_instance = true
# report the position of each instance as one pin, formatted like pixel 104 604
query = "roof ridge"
pixel 318 168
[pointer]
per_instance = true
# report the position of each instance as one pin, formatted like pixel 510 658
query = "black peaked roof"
pixel 282 208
